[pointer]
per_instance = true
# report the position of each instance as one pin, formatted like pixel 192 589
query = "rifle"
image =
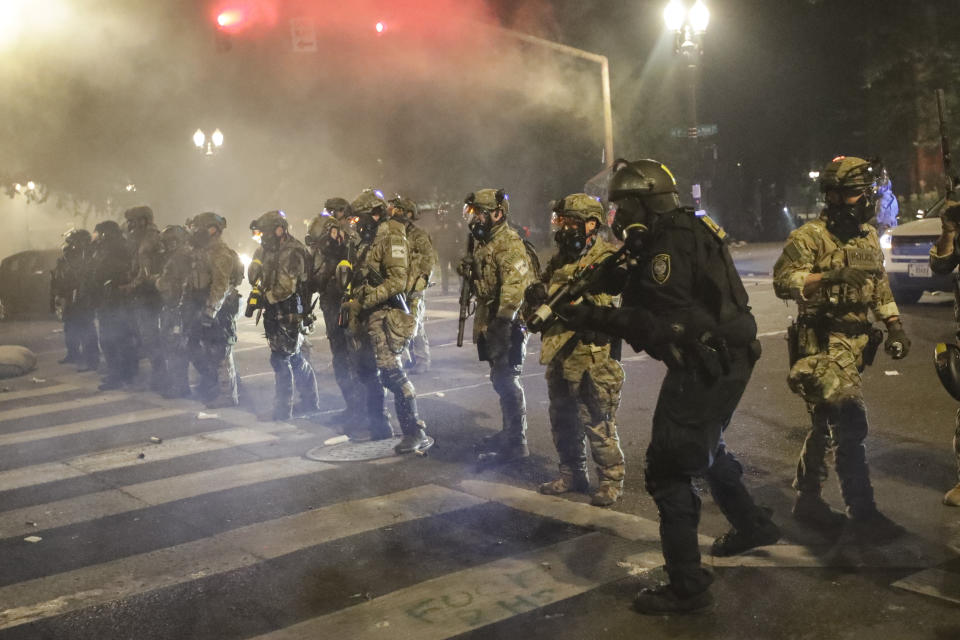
pixel 255 301
pixel 951 178
pixel 546 314
pixel 466 292
pixel 349 278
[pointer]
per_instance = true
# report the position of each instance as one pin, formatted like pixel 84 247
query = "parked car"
pixel 906 253
pixel 25 282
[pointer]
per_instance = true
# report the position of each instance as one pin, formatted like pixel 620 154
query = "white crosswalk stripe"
pixel 128 456
pixel 54 407
pixel 94 424
pixel 38 392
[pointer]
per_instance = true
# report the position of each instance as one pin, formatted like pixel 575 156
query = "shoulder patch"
pixel 792 252
pixel 714 228
pixel 660 267
pixel 398 248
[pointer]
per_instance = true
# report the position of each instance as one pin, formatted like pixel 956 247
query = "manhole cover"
pixel 355 451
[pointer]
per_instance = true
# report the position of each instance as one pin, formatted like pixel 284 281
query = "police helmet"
pixel 268 222
pixel 106 228
pixel 647 179
pixel 337 204
pixel 580 206
pixel 208 219
pixel 77 237
pixel 174 235
pixel 848 173
pixel 487 200
pixel 369 201
pixel 142 214
pixel 406 205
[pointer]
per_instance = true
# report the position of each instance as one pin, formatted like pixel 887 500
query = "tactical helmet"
pixel 208 219
pixel 268 222
pixel 174 235
pixel 488 200
pixel 406 205
pixel 106 228
pixel 847 172
pixel 580 206
pixel 139 214
pixel 369 201
pixel 337 204
pixel 646 179
pixel 77 237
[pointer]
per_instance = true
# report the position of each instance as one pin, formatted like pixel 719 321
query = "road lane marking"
pixel 54 595
pixel 66 405
pixel 93 506
pixel 122 457
pixel 36 393
pixel 459 602
pixel 441 392
pixel 933 582
pixel 19 437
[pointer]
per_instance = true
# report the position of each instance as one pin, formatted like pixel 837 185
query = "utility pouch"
pixel 518 346
pixel 873 345
pixel 793 343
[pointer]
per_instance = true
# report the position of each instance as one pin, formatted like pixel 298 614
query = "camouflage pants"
pixel 341 352
pixel 586 408
pixel 505 371
pixel 387 332
pixel 281 324
pixel 419 345
pixel 830 383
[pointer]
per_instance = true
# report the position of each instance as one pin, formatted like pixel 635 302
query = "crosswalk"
pixel 214 514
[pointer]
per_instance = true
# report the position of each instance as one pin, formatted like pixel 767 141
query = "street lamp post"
pixel 688 26
pixel 208 145
pixel 583 55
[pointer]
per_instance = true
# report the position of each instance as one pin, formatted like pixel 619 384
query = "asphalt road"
pixel 225 529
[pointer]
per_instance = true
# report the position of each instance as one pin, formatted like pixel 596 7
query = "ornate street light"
pixel 208 145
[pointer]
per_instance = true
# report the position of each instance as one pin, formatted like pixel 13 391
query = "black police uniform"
pixel 684 303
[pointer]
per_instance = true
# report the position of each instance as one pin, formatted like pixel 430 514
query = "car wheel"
pixel 907 296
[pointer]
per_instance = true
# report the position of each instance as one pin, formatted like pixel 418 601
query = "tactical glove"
pixel 897 345
pixel 535 295
pixel 846 275
pixel 577 316
pixel 349 317
pixel 465 267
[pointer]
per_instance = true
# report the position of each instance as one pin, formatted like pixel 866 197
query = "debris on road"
pixel 32 539
pixel 141 455
pixel 38 380
pixel 156 439
pixel 335 440
pixel 891 373
pixel 31 523
pixel 207 416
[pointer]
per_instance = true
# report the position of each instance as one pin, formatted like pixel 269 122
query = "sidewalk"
pixel 756 259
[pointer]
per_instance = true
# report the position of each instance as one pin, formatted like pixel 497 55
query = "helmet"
pixel 369 201
pixel 406 205
pixel 488 200
pixel 269 221
pixel 142 214
pixel 332 205
pixel 173 235
pixel 106 228
pixel 77 237
pixel 848 172
pixel 646 179
pixel 580 206
pixel 207 219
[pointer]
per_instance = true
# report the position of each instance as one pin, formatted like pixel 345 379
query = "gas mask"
pixel 199 236
pixel 570 236
pixel 481 227
pixel 631 223
pixel 366 227
pixel 844 220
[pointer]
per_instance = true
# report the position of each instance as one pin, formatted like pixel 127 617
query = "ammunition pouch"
pixel 793 343
pixel 873 345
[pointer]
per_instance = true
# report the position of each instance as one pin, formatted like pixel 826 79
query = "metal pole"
pixel 584 55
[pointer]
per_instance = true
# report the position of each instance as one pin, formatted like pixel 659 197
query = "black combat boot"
pixel 510 449
pixel 763 532
pixel 811 510
pixel 662 599
pixel 413 442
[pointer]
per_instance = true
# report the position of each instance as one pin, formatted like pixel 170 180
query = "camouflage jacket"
pixel 389 256
pixel 557 339
pixel 324 263
pixel 217 272
pixel 813 249
pixel 503 272
pixel 148 259
pixel 282 270
pixel 423 257
pixel 173 279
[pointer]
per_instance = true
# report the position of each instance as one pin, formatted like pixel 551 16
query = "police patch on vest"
pixel 398 250
pixel 660 267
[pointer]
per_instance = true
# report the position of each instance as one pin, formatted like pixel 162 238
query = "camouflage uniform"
pixel 386 330
pixel 423 258
pixel 282 264
pixel 148 261
pixel 502 271
pixel 945 264
pixel 211 293
pixel 67 295
pixel 323 282
pixel 833 328
pixel 583 383
pixel 171 284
